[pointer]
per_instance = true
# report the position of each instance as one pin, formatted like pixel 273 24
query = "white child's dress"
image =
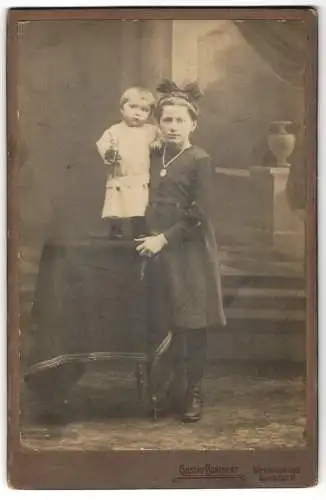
pixel 126 193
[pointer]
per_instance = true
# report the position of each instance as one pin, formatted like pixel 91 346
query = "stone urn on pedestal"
pixel 285 229
pixel 281 142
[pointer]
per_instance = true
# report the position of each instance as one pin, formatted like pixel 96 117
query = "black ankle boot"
pixel 194 405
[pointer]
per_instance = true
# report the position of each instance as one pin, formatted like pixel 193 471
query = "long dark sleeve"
pixel 202 203
pixel 204 194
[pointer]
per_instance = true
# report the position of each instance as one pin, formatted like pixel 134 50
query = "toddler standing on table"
pixel 125 148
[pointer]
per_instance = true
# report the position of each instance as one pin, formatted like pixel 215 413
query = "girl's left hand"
pixel 151 245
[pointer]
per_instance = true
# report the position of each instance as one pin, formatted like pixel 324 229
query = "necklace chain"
pixel 164 164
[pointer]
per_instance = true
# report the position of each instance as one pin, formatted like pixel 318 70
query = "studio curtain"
pixel 283 45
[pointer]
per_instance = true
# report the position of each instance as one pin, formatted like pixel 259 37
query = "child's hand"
pixel 151 245
pixel 157 143
pixel 111 157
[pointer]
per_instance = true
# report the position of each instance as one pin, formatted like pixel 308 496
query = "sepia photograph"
pixel 161 170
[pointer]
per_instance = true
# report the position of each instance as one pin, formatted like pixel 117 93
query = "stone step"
pixel 253 298
pixel 262 326
pixel 265 314
pixel 262 281
pixel 265 292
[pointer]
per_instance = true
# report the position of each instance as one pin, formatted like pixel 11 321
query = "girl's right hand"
pixel 150 245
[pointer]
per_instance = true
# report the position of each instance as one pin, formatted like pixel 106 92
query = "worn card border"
pixel 158 469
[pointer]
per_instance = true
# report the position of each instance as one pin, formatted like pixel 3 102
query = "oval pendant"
pixel 163 172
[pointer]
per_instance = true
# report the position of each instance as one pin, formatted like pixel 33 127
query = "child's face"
pixel 136 111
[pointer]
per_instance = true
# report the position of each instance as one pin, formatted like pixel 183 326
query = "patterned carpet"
pixel 246 407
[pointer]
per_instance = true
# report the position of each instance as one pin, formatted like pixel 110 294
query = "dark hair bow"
pixel 191 91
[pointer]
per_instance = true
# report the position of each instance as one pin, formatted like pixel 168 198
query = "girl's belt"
pixel 168 202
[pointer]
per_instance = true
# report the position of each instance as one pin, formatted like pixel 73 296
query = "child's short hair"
pixel 141 92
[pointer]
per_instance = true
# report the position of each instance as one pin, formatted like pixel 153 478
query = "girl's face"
pixel 176 124
pixel 136 111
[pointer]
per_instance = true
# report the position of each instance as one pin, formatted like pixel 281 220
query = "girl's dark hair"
pixel 175 101
pixel 173 95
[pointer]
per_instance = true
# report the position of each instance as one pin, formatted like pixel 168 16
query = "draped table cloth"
pixel 95 300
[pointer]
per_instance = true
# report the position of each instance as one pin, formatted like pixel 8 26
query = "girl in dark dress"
pixel 181 237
